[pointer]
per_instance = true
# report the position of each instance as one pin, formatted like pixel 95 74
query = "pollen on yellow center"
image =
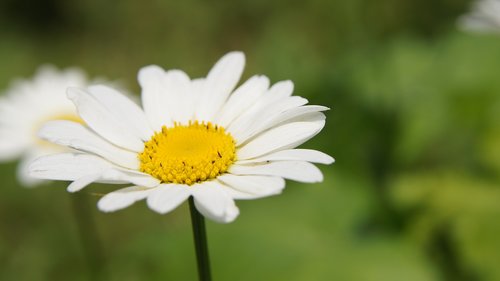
pixel 187 154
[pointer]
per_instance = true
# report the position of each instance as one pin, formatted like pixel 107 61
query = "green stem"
pixel 89 238
pixel 200 242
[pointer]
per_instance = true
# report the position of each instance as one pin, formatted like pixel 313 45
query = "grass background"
pixel 414 128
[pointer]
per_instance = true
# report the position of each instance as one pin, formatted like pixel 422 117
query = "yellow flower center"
pixel 188 154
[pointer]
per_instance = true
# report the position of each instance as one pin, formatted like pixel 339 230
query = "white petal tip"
pixel 319 179
pixel 122 198
pixel 82 182
pixel 239 55
pixel 230 216
pixel 277 192
pixel 229 219
pixel 168 197
pixel 316 176
pixel 106 209
pixel 108 205
pixel 231 213
pixel 287 83
pixel 329 160
pixel 72 190
pixel 162 210
pixel 145 73
pixel 234 59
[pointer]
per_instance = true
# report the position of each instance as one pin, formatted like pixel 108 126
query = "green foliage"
pixel 414 128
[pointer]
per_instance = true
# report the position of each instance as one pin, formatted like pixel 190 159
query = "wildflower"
pixel 194 138
pixel 25 106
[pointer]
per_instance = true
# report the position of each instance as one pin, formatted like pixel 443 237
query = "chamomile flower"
pixel 25 106
pixel 483 17
pixel 192 137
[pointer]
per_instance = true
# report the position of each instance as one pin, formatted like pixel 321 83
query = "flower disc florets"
pixel 188 154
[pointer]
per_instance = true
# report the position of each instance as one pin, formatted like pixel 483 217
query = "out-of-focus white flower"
pixel 191 138
pixel 483 17
pixel 26 105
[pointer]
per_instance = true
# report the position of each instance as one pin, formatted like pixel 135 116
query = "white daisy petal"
pixel 153 95
pixel 196 88
pixel 236 194
pixel 76 166
pixel 211 201
pixel 256 186
pixel 220 81
pixel 284 137
pixel 128 176
pixel 123 109
pixel 292 170
pixel 177 85
pixel 123 198
pixel 77 136
pixel 103 121
pixel 67 166
pixel 314 117
pixel 195 92
pixel 278 118
pixel 279 91
pixel 308 155
pixel 245 96
pixel 282 89
pixel 297 112
pixel 232 211
pixel 252 125
pixel 82 182
pixel 167 197
pixel 166 96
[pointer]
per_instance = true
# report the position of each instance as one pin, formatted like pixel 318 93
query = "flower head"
pixel 26 105
pixel 197 138
pixel 484 17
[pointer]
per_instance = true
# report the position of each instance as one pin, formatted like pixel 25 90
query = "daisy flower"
pixel 192 137
pixel 484 17
pixel 25 106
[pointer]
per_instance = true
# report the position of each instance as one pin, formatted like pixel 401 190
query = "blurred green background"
pixel 414 127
